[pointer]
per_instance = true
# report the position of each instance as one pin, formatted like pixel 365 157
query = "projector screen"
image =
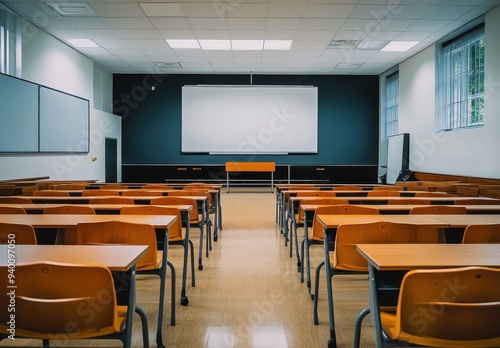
pixel 250 119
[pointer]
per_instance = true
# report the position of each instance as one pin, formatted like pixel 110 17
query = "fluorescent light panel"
pixel 82 43
pixel 227 45
pixel 399 46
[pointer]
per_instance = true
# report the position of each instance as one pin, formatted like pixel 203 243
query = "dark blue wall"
pixel 348 118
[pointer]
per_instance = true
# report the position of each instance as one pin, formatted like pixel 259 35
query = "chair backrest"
pixel 482 234
pixel 100 192
pixel 44 310
pixel 24 234
pixel 174 231
pixel 319 201
pixel 194 216
pixel 119 232
pixel 438 209
pixel 346 257
pixel 58 193
pixel 345 209
pixel 68 187
pixel 69 209
pixel 477 201
pixel 409 201
pixel 347 188
pixel 112 200
pixel 316 193
pixel 112 186
pixel 12 210
pixel 450 307
pixel 194 192
pixel 383 193
pixel 141 193
pixel 388 188
pixel 432 194
pixel 15 199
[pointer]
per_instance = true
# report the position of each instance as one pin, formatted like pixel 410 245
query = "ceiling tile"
pixel 138 34
pixel 128 23
pixel 118 10
pixel 162 9
pixel 289 11
pixel 327 11
pixel 446 12
pixel 170 23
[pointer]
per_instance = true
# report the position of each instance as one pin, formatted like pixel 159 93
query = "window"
pixel 10 44
pixel 461 82
pixel 391 105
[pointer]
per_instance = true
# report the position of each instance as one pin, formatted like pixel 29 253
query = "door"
pixel 111 160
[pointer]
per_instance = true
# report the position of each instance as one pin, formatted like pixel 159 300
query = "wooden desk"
pixel 388 263
pixel 118 258
pixel 268 167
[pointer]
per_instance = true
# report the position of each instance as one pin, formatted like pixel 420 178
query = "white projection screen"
pixel 250 119
pixel 397 156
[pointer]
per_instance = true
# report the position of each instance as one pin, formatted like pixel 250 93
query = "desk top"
pixel 462 220
pixel 59 199
pixel 42 206
pixel 413 256
pixel 334 221
pixel 70 220
pixel 115 257
pixel 407 207
pixel 382 199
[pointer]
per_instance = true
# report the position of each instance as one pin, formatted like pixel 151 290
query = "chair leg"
pixel 172 306
pixel 45 344
pixel 193 282
pixel 304 263
pixel 316 291
pixel 357 327
pixel 144 324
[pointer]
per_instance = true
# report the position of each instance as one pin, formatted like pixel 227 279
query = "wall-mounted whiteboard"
pixel 64 122
pixel 249 119
pixel 34 118
pixel 18 115
pixel 397 155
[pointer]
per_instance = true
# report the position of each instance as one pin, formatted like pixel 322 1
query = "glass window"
pixel 391 105
pixel 461 82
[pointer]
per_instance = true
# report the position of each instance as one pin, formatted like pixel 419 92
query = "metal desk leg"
pixel 332 342
pixel 374 307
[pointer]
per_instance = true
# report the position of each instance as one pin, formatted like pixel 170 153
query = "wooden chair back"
pixel 12 210
pixel 477 201
pixel 118 232
pixel 317 232
pixel 141 193
pixel 433 194
pixel 56 193
pixel 15 199
pixel 345 255
pixel 438 209
pixel 69 209
pixel 68 187
pixel 111 200
pixel 383 193
pixel 44 310
pixel 347 188
pixel 388 188
pixel 319 201
pixel 194 216
pixel 175 231
pixel 482 234
pixel 24 234
pixel 100 192
pixel 468 303
pixel 409 201
pixel 316 193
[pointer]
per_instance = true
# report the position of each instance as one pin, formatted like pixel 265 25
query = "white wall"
pixel 470 152
pixel 51 63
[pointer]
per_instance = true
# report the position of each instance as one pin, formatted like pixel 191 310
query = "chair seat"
pixel 148 267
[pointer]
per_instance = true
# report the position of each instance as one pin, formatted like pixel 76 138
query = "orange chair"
pixel 176 236
pixel 111 200
pixel 409 201
pixel 56 300
pixel 347 188
pixel 152 262
pixel 430 313
pixel 450 235
pixel 432 194
pixel 383 193
pixel 68 235
pixel 477 201
pixel 388 188
pixel 100 192
pixel 141 193
pixel 482 234
pixel 12 210
pixel 19 233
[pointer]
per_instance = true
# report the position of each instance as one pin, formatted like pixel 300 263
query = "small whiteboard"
pixel 397 156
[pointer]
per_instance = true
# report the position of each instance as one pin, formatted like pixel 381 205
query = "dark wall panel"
pixel 348 117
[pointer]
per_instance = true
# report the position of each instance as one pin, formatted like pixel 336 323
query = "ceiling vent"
pixel 342 44
pixel 66 9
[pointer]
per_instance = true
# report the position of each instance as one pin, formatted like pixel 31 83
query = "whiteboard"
pixel 249 119
pixel 397 156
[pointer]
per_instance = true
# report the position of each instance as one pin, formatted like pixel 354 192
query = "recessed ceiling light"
pixel 82 43
pixel 371 45
pixel 247 45
pixel 71 8
pixel 399 46
pixel 277 44
pixel 216 45
pixel 180 43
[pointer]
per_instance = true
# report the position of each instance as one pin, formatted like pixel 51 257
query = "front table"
pixel 118 258
pixel 387 264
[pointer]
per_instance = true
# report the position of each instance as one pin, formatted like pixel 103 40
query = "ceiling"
pixel 326 33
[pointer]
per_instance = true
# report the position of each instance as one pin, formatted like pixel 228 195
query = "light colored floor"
pixel 248 293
